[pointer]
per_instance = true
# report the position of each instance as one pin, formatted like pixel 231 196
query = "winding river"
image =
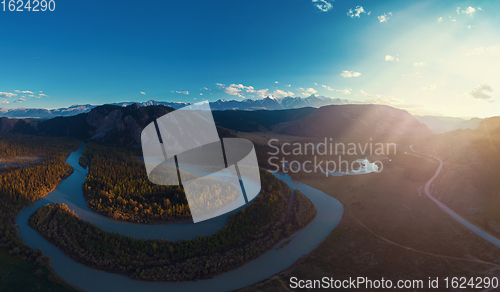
pixel 69 192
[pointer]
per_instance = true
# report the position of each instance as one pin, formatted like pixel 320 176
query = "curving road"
pixel 488 237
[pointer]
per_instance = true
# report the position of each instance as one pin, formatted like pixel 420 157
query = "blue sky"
pixel 428 57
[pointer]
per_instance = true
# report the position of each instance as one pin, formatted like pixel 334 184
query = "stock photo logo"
pixel 183 148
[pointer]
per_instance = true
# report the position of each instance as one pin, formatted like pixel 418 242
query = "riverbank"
pixel 248 234
pixel 304 241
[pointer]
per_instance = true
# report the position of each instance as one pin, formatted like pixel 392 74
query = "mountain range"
pixel 119 125
pixel 268 103
pixel 228 110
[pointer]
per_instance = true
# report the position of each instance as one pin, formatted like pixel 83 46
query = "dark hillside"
pixel 356 120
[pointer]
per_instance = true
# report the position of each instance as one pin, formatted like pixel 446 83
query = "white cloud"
pixel 307 92
pixel 24 91
pixel 418 64
pixel 345 91
pixel 458 10
pixel 142 92
pixel 281 93
pixel 480 92
pixel 182 92
pixel 220 88
pixel 19 99
pixel 469 11
pixel 430 87
pixel 7 94
pixel 350 74
pixel 240 89
pixel 201 93
pixel 276 82
pixel 357 12
pixel 277 93
pixel 233 91
pixel 384 17
pixel 389 58
pixel 243 87
pixel 42 95
pixel 262 93
pixel 485 51
pixel 288 85
pixel 440 19
pixel 323 5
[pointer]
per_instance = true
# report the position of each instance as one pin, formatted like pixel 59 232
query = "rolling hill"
pixel 438 124
pixel 258 121
pixel 355 121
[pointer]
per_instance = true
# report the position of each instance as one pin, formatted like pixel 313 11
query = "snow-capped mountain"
pixel 272 103
pixel 175 104
pixel 268 103
pixel 45 113
pixel 73 110
pixel 311 101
